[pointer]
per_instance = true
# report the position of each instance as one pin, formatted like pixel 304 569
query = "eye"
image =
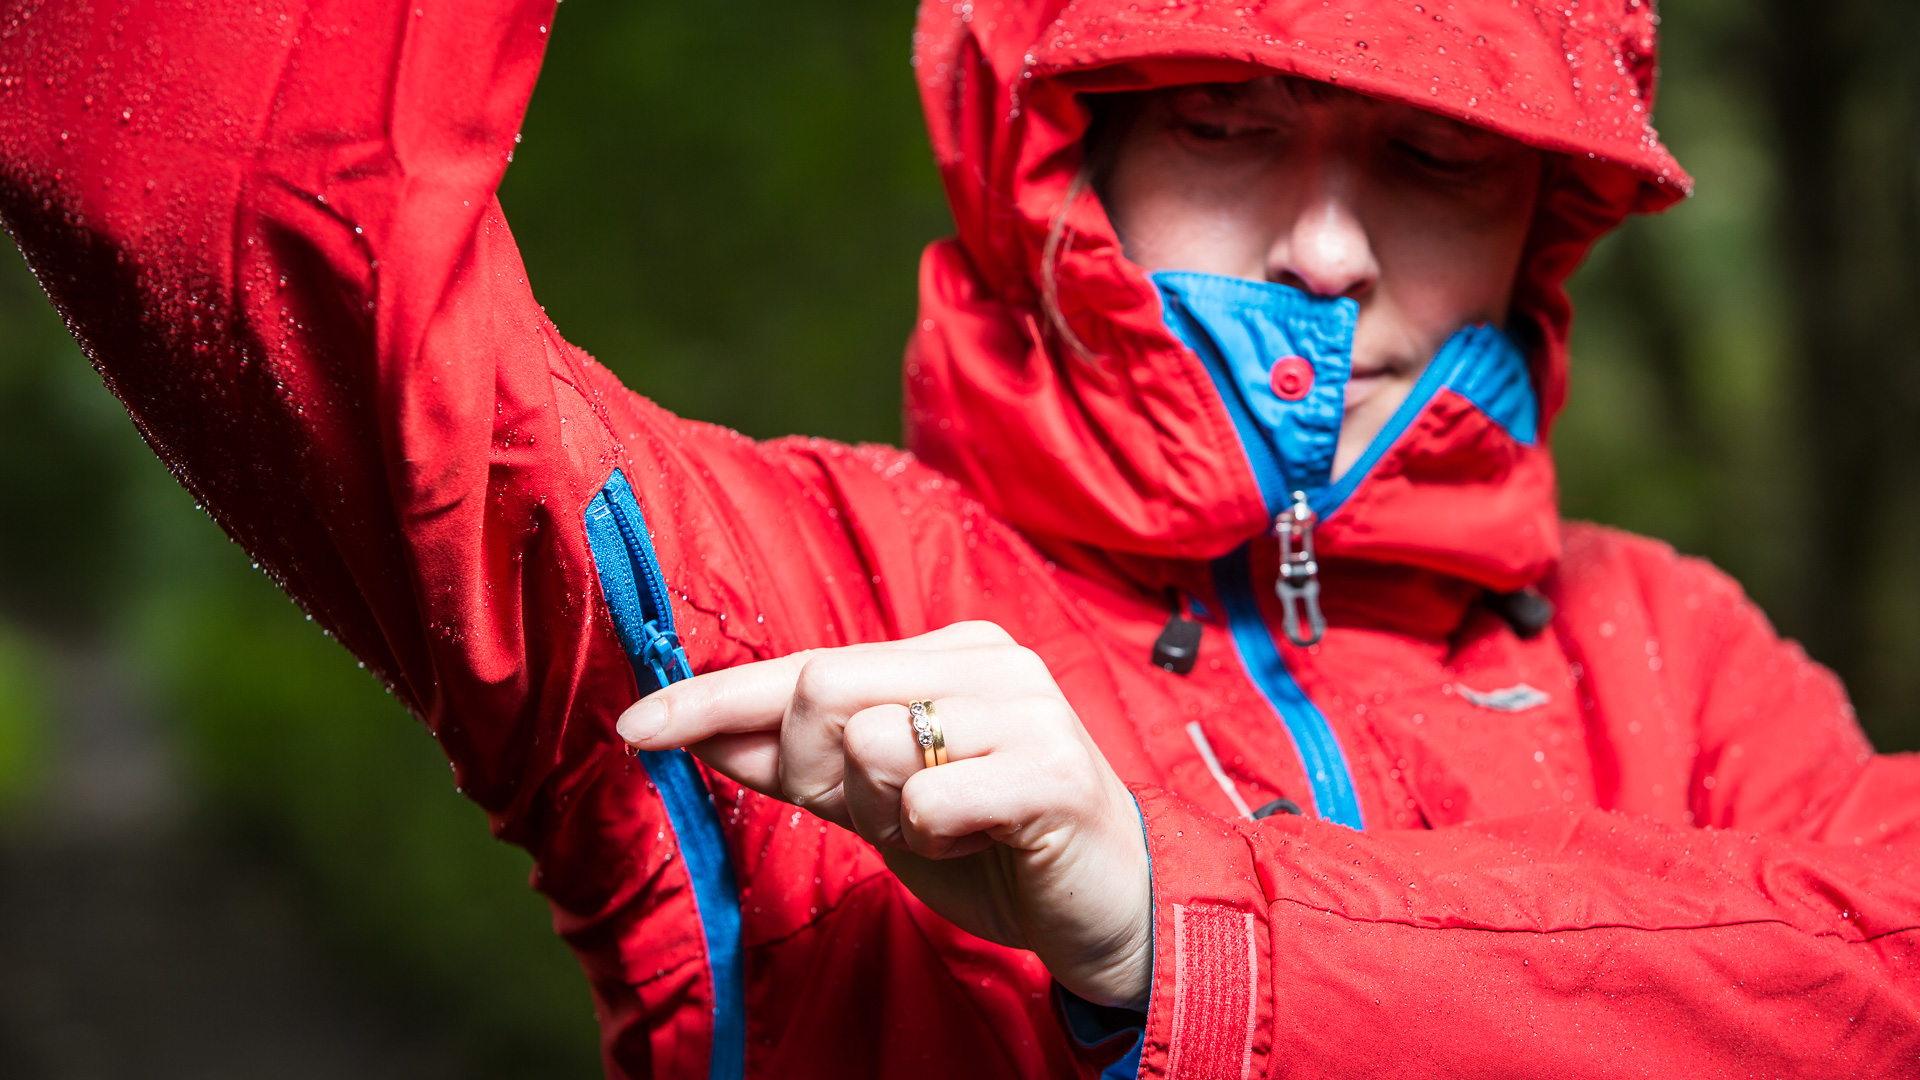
pixel 1202 130
pixel 1438 161
pixel 1213 116
pixel 1222 127
pixel 1212 131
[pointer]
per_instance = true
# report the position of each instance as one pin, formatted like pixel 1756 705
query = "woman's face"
pixel 1419 218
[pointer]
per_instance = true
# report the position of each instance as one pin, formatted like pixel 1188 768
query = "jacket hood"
pixel 1132 450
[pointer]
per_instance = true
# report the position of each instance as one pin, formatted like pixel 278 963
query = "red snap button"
pixel 1292 378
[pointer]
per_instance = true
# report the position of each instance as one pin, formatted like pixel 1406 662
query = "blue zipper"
pixel 1328 774
pixel 636 593
pixel 1330 779
pixel 1480 363
pixel 1498 385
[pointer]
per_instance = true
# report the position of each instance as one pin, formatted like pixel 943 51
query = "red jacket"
pixel 1650 838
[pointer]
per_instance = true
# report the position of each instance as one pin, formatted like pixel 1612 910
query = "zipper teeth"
pixel 1329 777
pixel 640 551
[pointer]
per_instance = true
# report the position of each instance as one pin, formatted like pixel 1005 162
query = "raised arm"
pixel 272 226
pixel 272 229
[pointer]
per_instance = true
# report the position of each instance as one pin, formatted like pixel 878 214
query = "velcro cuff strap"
pixel 1210 1012
pixel 1216 973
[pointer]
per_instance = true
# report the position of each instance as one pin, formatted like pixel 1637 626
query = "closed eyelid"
pixel 1230 116
pixel 1224 106
pixel 1452 139
pixel 1446 149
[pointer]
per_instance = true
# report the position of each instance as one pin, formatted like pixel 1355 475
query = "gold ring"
pixel 926 732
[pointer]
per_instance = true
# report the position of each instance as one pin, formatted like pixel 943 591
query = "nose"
pixel 1327 252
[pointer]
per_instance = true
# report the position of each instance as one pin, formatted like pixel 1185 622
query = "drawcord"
pixel 1178 646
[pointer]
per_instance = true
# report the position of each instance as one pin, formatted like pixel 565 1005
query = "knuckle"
pixel 1050 714
pixel 1025 663
pixel 864 738
pixel 821 680
pixel 1087 786
pixel 1059 758
pixel 986 632
pixel 1063 763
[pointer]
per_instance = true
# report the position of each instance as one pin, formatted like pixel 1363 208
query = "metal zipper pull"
pixel 1299 582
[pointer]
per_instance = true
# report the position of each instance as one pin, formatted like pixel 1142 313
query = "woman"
pixel 1214 692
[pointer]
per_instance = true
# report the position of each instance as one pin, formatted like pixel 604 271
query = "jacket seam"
pixel 816 920
pixel 1864 940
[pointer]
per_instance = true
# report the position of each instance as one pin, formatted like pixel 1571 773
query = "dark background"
pixel 224 851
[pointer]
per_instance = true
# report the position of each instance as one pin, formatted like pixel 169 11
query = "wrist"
pixel 1119 970
pixel 1135 987
pixel 1211 975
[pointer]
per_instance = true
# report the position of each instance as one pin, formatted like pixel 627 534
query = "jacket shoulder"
pixel 1608 566
pixel 1639 613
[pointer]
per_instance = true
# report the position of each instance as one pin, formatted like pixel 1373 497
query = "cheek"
pixel 1171 215
pixel 1447 259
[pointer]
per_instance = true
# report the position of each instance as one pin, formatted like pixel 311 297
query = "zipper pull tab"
pixel 1299 582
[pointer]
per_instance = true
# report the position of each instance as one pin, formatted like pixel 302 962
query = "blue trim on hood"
pixel 1238 328
pixel 636 594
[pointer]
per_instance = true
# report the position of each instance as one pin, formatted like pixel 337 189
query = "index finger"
pixel 732 701
pixel 754 697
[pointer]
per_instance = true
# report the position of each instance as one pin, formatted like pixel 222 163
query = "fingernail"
pixel 643 722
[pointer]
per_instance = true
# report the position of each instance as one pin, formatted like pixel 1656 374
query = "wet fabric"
pixel 1650 836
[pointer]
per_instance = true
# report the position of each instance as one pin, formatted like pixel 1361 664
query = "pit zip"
pixel 1239 329
pixel 636 595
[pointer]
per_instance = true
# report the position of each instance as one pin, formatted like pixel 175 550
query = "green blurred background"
pixel 726 205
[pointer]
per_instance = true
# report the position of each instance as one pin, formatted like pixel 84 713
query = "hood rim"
pixel 1007 125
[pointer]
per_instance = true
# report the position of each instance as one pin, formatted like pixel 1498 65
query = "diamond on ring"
pixel 926 732
pixel 922 727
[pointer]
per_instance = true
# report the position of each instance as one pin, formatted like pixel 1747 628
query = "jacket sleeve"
pixel 272 226
pixel 1748 905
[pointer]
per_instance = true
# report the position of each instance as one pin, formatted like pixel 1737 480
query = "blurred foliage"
pixel 23 717
pixel 292 753
pixel 726 205
pixel 307 759
pixel 1747 366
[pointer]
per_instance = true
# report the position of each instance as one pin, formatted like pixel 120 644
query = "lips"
pixel 1363 385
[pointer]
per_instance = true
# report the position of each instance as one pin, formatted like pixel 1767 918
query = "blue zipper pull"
pixel 664 655
pixel 1298 585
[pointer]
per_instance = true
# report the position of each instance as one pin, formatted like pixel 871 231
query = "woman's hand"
pixel 1025 837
